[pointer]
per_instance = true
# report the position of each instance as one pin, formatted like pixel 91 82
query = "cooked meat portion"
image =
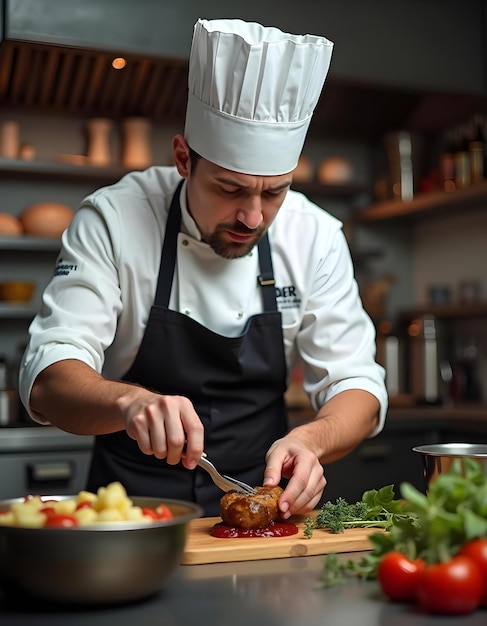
pixel 250 511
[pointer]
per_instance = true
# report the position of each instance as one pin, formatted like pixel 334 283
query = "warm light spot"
pixel 119 63
pixel 414 329
pixel 396 189
pixel 385 327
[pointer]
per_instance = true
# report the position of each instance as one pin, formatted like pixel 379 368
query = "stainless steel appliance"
pixel 424 369
pixel 42 460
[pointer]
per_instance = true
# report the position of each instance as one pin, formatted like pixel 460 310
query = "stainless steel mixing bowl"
pixel 100 564
pixel 438 458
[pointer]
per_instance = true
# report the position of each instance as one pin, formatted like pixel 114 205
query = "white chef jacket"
pixel 97 304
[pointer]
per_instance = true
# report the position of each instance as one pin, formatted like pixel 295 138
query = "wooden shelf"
pixel 25 243
pixel 17 168
pixel 450 311
pixel 314 188
pixel 17 311
pixel 47 170
pixel 474 196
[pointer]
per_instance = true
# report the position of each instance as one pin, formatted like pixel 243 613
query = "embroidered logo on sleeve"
pixel 63 268
pixel 287 298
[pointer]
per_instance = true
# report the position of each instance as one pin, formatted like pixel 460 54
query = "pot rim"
pixel 471 450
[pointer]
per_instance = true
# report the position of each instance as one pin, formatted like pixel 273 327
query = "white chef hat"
pixel 252 92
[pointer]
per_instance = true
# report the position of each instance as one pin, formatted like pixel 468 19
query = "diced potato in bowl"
pixel 109 504
pixel 91 548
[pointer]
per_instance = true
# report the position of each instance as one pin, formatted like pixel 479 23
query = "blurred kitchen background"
pixel 396 149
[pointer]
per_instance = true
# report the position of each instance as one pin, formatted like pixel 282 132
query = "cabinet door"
pixel 384 460
pixel 43 473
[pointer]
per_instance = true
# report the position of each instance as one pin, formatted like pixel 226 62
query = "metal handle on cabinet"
pixel 41 472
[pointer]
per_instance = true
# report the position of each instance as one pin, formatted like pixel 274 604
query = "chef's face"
pixel 231 210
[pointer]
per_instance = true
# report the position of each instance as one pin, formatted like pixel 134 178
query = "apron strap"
pixel 169 253
pixel 266 278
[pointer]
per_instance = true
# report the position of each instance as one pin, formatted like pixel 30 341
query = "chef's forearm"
pixel 74 397
pixel 341 424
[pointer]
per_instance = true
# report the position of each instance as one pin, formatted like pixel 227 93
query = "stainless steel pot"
pixel 438 458
pixel 99 564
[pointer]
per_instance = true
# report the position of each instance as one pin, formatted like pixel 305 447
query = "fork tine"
pixel 247 488
pixel 225 483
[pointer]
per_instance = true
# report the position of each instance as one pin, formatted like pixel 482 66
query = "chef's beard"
pixel 231 249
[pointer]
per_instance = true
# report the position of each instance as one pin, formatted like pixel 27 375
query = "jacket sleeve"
pixel 80 305
pixel 336 339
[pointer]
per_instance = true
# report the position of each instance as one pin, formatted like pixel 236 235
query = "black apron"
pixel 236 385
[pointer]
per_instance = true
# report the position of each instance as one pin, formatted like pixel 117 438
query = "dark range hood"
pixel 82 82
pixel 56 57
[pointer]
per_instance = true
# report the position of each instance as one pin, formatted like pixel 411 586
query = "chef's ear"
pixel 181 158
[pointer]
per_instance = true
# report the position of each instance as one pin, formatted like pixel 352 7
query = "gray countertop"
pixel 276 592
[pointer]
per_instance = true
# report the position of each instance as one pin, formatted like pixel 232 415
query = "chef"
pixel 184 296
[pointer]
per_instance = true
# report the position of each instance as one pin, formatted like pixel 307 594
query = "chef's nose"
pixel 250 213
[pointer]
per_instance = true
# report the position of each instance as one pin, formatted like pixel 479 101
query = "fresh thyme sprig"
pixel 376 509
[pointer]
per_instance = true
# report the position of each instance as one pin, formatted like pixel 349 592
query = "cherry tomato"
pixel 86 504
pixel 60 521
pixel 398 576
pixel 476 550
pixel 48 510
pixel 148 512
pixel 163 512
pixel 451 588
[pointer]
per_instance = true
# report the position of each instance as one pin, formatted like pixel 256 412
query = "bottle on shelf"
pixel 465 384
pixel 477 149
pixel 424 369
pixel 389 355
pixel 462 157
pixel 447 162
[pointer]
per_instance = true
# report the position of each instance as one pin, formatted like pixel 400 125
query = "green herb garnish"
pixel 378 508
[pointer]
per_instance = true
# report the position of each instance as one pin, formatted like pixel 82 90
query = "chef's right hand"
pixel 165 426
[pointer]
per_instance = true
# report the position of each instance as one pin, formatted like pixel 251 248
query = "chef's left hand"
pixel 290 458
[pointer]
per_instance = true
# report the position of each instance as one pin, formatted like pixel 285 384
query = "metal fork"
pixel 226 483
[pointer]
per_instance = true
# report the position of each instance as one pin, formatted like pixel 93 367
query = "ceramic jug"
pixel 98 151
pixel 136 149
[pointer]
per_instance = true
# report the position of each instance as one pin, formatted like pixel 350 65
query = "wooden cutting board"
pixel 201 547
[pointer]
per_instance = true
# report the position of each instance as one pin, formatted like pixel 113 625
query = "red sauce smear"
pixel 274 529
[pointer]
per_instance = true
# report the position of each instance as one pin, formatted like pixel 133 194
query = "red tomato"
pixel 86 504
pixel 163 512
pixel 148 512
pixel 48 510
pixel 451 588
pixel 398 576
pixel 476 550
pixel 60 521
